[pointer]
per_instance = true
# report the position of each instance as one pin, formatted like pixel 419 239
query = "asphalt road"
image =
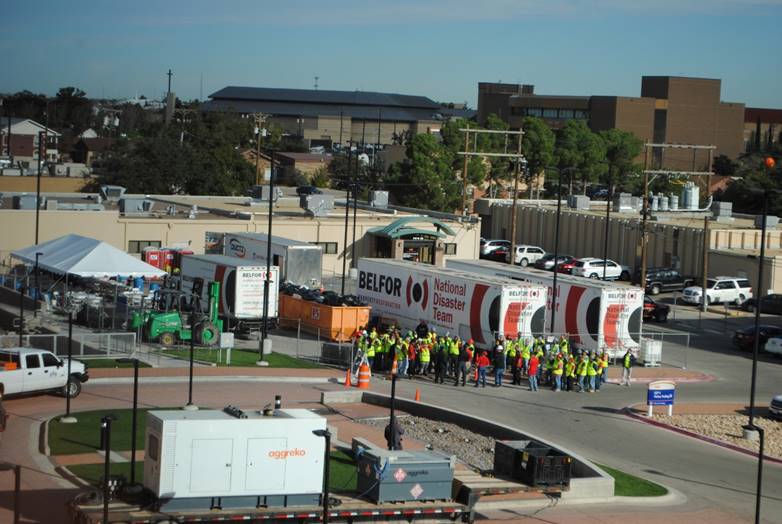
pixel 590 424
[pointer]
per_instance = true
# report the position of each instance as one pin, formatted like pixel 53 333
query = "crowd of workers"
pixel 541 361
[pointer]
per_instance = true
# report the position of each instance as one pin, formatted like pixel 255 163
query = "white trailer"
pixel 242 285
pixel 299 262
pixel 452 301
pixel 233 458
pixel 597 315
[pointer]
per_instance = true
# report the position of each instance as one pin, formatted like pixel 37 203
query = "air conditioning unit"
pixel 317 205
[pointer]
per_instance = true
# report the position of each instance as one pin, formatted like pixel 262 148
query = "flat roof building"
pixel 325 118
pixel 671 109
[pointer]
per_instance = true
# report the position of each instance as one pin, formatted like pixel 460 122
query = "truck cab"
pixel 31 370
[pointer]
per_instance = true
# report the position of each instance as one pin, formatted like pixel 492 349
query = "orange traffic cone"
pixel 417 395
pixel 363 376
pixel 347 378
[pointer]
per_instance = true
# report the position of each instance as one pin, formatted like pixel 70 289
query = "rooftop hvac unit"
pixel 112 192
pixel 129 205
pixel 317 205
pixel 578 202
pixel 25 201
pixel 379 199
pixel 260 192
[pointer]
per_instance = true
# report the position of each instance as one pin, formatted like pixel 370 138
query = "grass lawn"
pixel 342 476
pixel 626 485
pixel 95 363
pixel 241 358
pixel 84 436
pixel 92 473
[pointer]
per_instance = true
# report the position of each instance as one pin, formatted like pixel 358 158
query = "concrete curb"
pixel 223 378
pixel 703 378
pixel 672 498
pixel 628 412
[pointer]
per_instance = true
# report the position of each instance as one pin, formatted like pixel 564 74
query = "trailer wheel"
pixel 167 339
pixel 207 334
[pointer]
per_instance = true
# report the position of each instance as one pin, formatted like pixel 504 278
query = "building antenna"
pixel 169 82
pixel 316 82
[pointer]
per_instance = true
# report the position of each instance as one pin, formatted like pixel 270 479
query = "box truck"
pixel 241 288
pixel 299 262
pixel 451 301
pixel 597 315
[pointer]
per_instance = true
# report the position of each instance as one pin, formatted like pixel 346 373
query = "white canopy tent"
pixel 86 257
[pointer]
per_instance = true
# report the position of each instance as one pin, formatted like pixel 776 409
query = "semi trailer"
pixel 242 282
pixel 596 315
pixel 477 307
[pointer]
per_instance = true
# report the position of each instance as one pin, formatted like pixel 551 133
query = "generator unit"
pixel 532 463
pixel 398 476
pixel 234 459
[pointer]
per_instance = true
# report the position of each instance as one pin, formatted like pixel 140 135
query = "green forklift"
pixel 167 324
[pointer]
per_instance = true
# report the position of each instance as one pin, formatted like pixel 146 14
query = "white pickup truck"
pixel 30 370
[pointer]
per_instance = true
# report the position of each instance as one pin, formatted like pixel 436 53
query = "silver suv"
pixel 720 290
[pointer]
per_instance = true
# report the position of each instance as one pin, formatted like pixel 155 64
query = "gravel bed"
pixel 471 448
pixel 728 428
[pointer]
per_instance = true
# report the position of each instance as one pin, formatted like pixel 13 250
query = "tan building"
pixel 675 241
pixel 326 118
pixel 379 232
pixel 678 110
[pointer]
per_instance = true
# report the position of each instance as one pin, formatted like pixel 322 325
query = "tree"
pixel 724 166
pixel 581 151
pixel 425 178
pixel 453 141
pixel 622 147
pixel 537 147
pixel 200 157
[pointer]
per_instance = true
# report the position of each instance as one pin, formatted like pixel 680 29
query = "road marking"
pixel 714 331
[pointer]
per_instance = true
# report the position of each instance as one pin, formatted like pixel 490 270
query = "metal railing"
pixel 91 345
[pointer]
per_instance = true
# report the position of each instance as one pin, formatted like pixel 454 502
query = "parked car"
pixel 546 262
pixel 566 267
pixel 491 245
pixel 308 190
pixel 498 255
pixel 526 255
pixel 769 304
pixel 774 346
pixel 744 338
pixel 720 290
pixel 655 310
pixel 663 279
pixel 775 407
pixel 30 370
pixel 593 268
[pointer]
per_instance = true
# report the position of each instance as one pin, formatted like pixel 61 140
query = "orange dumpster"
pixel 335 323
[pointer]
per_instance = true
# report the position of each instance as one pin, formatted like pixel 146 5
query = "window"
pixel 9 357
pixel 50 360
pixel 329 248
pixel 744 283
pixel 581 115
pixel 537 251
pixel 450 249
pixel 534 111
pixel 137 246
pixel 32 361
pixel 549 113
pixel 728 284
pixel 610 264
pixel 566 113
pixel 153 445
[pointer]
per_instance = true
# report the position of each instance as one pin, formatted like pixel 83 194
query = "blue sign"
pixel 660 397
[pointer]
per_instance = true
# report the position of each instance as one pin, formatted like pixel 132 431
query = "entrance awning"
pixel 403 227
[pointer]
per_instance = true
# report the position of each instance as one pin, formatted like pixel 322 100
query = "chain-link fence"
pixel 91 345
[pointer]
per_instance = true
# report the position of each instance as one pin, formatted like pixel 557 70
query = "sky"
pixel 435 48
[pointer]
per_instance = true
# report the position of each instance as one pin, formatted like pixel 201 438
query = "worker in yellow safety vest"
pixel 581 371
pixel 592 372
pixel 559 368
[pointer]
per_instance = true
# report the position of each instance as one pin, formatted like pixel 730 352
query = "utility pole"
pixel 260 120
pixel 169 82
pixel 706 244
pixel 512 258
pixel 644 239
pixel 464 170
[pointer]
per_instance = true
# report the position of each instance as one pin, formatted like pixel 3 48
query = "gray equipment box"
pixel 398 476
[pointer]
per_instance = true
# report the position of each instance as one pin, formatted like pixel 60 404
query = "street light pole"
pixel 190 406
pixel 37 290
pixel 68 418
pixel 325 433
pixel 554 293
pixel 608 225
pixel 345 243
pixel 134 422
pixel 42 137
pixel 21 315
pixel 105 424
pixel 512 257
pixel 265 342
